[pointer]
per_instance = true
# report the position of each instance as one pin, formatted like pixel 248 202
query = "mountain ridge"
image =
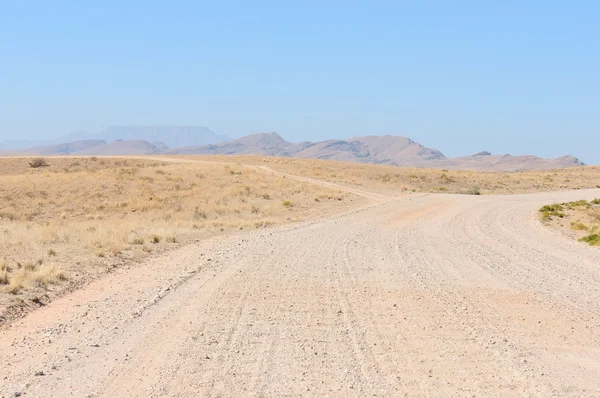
pixel 386 149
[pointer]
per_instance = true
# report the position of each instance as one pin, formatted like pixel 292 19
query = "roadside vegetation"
pixel 72 218
pixel 392 180
pixel 581 217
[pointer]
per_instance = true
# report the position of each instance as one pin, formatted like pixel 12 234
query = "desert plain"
pixel 270 276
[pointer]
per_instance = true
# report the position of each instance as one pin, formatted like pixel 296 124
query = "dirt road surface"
pixel 423 295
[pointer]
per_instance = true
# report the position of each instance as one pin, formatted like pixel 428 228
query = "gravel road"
pixel 424 295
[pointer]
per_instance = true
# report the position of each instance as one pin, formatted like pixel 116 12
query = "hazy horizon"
pixel 461 77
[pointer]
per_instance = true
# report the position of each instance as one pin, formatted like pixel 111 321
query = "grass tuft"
pixel 578 226
pixel 138 240
pixel 32 279
pixel 4 278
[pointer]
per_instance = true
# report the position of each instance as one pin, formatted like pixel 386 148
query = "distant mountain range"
pixel 388 150
pixel 173 136
pixel 396 151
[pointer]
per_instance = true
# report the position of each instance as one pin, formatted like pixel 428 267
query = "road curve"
pixel 437 295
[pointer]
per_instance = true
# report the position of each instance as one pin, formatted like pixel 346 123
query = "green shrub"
pixel 579 203
pixel 592 240
pixel 554 210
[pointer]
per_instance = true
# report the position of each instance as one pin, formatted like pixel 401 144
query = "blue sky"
pixel 520 77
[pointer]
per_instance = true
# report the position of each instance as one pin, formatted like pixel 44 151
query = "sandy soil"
pixel 421 295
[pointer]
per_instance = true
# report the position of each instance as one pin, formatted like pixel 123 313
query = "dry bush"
pixel 38 162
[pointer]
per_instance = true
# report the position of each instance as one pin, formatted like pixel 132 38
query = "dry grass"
pixel 82 216
pixel 393 180
pixel 59 165
pixel 582 218
pixel 32 278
